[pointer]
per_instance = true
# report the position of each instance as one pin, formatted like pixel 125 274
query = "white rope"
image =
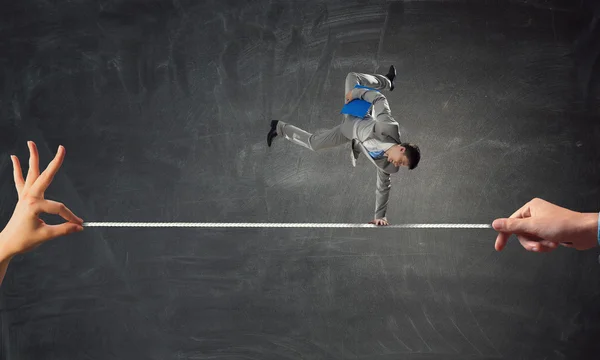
pixel 283 225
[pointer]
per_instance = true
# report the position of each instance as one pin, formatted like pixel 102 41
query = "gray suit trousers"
pixel 336 136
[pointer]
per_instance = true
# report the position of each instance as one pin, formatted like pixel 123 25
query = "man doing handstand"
pixel 376 135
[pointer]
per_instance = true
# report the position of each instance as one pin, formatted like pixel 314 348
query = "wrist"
pixel 589 227
pixel 5 253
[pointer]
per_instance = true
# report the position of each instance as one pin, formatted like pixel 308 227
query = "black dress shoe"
pixel 391 75
pixel 273 132
pixel 354 153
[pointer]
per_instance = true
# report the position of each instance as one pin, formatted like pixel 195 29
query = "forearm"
pixel 381 207
pixel 381 107
pixel 382 194
pixel 3 268
pixel 5 257
pixel 369 95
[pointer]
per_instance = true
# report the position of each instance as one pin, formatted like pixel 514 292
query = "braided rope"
pixel 283 225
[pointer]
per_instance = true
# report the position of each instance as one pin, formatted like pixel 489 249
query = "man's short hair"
pixel 413 153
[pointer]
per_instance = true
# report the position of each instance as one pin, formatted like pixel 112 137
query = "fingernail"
pixel 534 249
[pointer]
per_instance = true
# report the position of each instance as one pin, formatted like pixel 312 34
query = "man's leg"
pixel 322 140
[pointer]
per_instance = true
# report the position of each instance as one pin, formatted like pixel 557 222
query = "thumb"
pixel 63 229
pixel 512 225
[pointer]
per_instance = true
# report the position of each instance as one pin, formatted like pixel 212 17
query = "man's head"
pixel 404 154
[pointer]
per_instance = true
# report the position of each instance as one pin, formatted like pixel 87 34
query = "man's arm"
pixel 382 193
pixel 381 107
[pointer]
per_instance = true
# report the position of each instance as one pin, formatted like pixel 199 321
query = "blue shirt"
pixel 379 154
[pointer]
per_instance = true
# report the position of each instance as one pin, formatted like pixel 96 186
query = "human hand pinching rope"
pixel 25 230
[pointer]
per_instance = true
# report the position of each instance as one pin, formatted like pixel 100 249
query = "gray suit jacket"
pixel 385 132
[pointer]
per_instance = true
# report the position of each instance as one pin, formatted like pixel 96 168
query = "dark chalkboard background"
pixel 163 107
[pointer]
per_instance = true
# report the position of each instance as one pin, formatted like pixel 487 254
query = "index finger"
pixel 502 238
pixel 46 177
pixel 56 208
